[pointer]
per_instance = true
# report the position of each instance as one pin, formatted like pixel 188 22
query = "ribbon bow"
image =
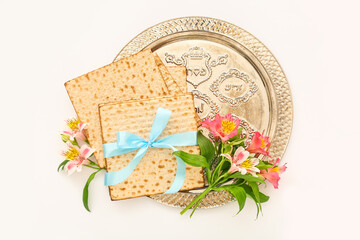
pixel 127 142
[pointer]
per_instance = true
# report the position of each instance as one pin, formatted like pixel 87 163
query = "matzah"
pixel 133 77
pixel 179 75
pixel 156 171
pixel 168 78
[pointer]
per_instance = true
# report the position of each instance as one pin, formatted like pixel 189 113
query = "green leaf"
pixel 238 193
pixel 192 159
pixel 263 165
pixel 262 197
pixel 62 165
pixel 255 189
pixel 86 190
pixel 207 148
pixel 258 197
pixel 246 177
pixel 227 148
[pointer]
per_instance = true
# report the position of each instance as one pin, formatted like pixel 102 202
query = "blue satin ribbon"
pixel 128 142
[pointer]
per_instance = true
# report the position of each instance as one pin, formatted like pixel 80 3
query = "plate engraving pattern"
pixel 236 92
pixel 204 106
pixel 249 131
pixel 197 63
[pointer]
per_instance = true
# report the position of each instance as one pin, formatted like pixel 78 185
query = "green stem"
pixel 86 190
pixel 93 163
pixel 219 166
pixel 217 147
pixel 93 167
pixel 224 177
pixel 197 199
pixel 197 204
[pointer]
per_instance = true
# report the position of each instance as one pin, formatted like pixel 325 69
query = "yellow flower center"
pixel 73 124
pixel 72 154
pixel 247 164
pixel 227 126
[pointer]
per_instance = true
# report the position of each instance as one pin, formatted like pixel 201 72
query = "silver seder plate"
pixel 228 71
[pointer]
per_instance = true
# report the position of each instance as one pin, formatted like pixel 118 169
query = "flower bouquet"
pixel 78 154
pixel 230 165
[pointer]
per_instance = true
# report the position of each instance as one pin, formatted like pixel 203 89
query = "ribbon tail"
pixel 180 139
pixel 180 170
pixel 179 178
pixel 113 178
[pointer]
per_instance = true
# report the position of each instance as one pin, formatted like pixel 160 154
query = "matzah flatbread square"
pixel 179 75
pixel 168 78
pixel 156 171
pixel 133 77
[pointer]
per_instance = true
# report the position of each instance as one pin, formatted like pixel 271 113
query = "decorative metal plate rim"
pixel 272 67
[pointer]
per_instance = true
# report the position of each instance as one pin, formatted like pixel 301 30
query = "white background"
pixel 45 43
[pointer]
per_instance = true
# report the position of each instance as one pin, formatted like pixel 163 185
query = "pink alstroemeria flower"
pixel 76 129
pixel 242 163
pixel 222 127
pixel 272 173
pixel 77 157
pixel 259 144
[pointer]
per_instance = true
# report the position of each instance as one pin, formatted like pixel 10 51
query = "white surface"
pixel 44 44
